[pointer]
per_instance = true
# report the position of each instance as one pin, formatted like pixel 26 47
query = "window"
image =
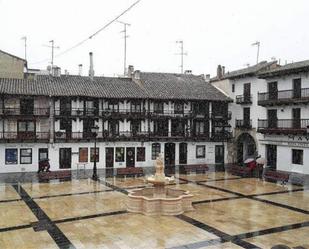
pixel 200 151
pixel 113 127
pixel 113 106
pixel 140 157
pixel 11 156
pixel 26 106
pixel 83 155
pixel 25 156
pixel 178 108
pixel 158 107
pixel 120 154
pixel 199 127
pixel 92 154
pixel 26 126
pixel 136 106
pixel 135 126
pixel 297 157
pixel 155 150
pixel 233 88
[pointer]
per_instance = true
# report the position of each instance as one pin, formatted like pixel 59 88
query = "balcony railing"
pixel 283 97
pixel 243 124
pixel 283 126
pixel 244 99
pixel 142 136
pixel 22 112
pixel 222 116
pixel 24 136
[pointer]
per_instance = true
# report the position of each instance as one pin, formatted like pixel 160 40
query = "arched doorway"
pixel 246 147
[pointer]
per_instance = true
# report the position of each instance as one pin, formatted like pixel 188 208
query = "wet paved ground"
pixel 230 212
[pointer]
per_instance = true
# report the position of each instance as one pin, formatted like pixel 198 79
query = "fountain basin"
pixel 162 201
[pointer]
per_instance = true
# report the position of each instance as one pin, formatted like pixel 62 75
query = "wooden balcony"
pixel 243 124
pixel 141 136
pixel 244 99
pixel 283 126
pixel 24 136
pixel 286 97
pixel 21 112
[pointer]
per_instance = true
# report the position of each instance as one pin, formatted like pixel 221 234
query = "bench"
pixel 239 170
pixel 276 176
pixel 132 171
pixel 196 168
pixel 61 174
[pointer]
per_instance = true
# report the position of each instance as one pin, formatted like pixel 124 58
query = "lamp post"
pixel 94 131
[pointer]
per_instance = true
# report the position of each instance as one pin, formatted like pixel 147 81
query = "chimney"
pixel 130 70
pixel 56 71
pixel 91 71
pixel 137 75
pixel 207 78
pixel 219 71
pixel 223 70
pixel 80 69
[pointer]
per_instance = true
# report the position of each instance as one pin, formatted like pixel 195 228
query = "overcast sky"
pixel 214 32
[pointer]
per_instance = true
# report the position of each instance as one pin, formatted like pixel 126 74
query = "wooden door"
pixel 65 157
pixel 109 157
pixel 296 118
pixel 130 157
pixel 183 152
pixel 219 154
pixel 297 88
pixel 272 118
pixel 271 156
pixel 246 117
pixel 169 153
pixel 247 92
pixel 273 90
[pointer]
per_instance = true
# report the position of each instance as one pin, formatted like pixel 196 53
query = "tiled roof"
pixel 300 66
pixel 179 86
pixel 264 65
pixel 153 85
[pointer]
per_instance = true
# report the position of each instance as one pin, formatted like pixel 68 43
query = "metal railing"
pixel 244 99
pixel 284 125
pixel 284 95
pixel 22 112
pixel 243 123
pixel 33 136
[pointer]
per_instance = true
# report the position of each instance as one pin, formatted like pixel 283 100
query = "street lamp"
pixel 94 131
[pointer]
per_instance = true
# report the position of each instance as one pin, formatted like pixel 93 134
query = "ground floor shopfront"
pixel 25 157
pixel 286 153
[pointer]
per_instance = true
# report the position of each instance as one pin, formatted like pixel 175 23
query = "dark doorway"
pixel 297 88
pixel 183 151
pixel 219 154
pixel 109 157
pixel 43 154
pixel 246 147
pixel 130 157
pixel 247 122
pixel 65 156
pixel 247 92
pixel 273 90
pixel 271 156
pixel 296 118
pixel 169 153
pixel 272 118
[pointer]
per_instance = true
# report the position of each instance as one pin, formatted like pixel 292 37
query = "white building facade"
pixel 270 114
pixel 181 116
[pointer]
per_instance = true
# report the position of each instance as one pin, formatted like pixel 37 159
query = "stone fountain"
pixel 159 200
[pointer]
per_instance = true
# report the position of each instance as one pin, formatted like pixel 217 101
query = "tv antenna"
pixel 52 46
pixel 125 45
pixel 25 44
pixel 181 54
pixel 257 43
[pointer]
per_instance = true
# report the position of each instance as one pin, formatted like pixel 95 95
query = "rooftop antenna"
pixel 257 43
pixel 25 41
pixel 125 45
pixel 52 51
pixel 181 54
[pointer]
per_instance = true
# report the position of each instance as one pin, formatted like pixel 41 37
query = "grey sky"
pixel 214 32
